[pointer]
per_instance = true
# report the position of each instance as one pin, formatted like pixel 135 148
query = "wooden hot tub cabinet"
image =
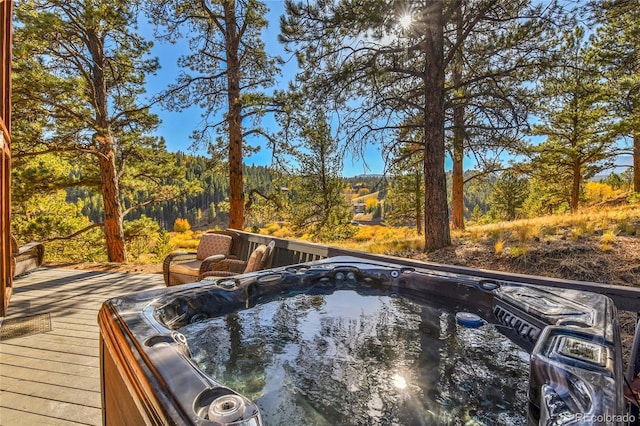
pixel 130 389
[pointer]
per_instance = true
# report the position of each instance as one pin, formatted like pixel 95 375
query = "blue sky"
pixel 176 127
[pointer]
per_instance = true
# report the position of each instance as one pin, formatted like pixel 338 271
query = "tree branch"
pixel 75 234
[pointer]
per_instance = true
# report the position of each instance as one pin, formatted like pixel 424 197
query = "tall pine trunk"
pixel 457 181
pixel 436 217
pixel 575 187
pixel 234 119
pixel 636 156
pixel 457 186
pixel 109 182
pixel 110 187
pixel 418 210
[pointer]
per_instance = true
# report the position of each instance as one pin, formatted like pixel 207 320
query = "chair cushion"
pixel 177 279
pixel 236 242
pixel 268 256
pixel 184 272
pixel 211 244
pixel 191 267
pixel 255 260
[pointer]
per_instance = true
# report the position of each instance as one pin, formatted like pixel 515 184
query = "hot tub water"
pixel 350 359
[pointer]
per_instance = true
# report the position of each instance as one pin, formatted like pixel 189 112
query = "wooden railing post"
pixel 6 274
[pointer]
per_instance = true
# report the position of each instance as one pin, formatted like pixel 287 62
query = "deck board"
pixel 16 368
pixel 49 407
pixel 49 366
pixel 17 417
pixel 53 378
pixel 57 346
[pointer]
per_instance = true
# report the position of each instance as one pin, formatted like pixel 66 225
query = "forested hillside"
pixel 207 208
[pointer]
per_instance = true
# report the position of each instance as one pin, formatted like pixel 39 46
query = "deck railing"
pixel 290 252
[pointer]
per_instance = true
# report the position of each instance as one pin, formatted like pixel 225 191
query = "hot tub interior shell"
pixel 148 377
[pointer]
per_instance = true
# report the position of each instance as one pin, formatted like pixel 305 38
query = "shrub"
pixel 498 246
pixel 582 229
pixel 140 236
pixel 596 192
pixel 577 233
pixel 163 245
pixel 476 235
pixel 634 198
pixel 184 241
pixel 547 231
pixel 476 214
pixel 608 237
pixel 396 247
pixel 45 216
pixel 271 228
pixel 284 232
pixel 496 233
pixel 371 204
pixel 519 252
pixel 181 225
pixel 515 251
pixel 526 231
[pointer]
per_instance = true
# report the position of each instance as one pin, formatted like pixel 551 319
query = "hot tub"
pixel 350 341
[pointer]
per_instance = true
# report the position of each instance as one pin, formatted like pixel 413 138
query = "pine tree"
pixel 494 57
pixel 617 52
pixel 389 80
pixel 509 194
pixel 573 119
pixel 404 198
pixel 227 69
pixel 79 73
pixel 318 206
pixel 384 84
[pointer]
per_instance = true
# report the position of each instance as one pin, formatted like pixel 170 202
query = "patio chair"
pixel 214 246
pixel 260 259
pixel 25 258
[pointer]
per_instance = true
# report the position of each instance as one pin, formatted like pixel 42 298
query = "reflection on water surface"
pixel 347 359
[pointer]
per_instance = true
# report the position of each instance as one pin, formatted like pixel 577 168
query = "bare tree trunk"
pixel 636 158
pixel 575 187
pixel 457 183
pixel 418 204
pixel 110 187
pixel 234 119
pixel 436 213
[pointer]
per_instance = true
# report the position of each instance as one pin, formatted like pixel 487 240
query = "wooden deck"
pixel 53 378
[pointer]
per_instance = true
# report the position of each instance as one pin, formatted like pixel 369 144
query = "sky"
pixel 176 127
